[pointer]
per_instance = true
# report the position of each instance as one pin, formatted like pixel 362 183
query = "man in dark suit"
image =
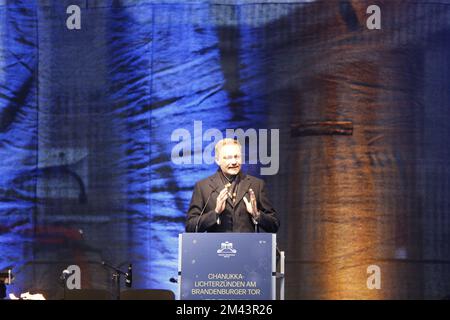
pixel 229 200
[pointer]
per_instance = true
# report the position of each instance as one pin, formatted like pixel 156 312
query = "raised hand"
pixel 251 205
pixel 221 200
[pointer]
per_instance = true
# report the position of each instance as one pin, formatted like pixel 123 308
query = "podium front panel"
pixel 227 266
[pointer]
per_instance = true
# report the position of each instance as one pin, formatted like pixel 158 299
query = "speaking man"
pixel 229 200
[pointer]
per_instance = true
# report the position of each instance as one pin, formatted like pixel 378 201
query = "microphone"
pixel 129 277
pixel 64 274
pixel 203 210
pixel 63 280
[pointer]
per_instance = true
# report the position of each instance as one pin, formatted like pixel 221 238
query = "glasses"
pixel 228 158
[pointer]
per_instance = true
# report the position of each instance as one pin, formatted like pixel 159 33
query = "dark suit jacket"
pixel 235 219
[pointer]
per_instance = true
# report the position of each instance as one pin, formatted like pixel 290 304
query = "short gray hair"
pixel 224 142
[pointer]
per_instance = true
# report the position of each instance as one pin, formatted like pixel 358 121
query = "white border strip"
pixel 274 266
pixel 180 248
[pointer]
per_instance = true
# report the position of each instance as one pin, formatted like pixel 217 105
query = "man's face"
pixel 229 159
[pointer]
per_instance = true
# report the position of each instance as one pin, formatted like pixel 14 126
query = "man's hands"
pixel 221 200
pixel 252 207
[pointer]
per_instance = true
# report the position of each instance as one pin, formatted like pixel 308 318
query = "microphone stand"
pixel 203 210
pixel 63 278
pixel 116 276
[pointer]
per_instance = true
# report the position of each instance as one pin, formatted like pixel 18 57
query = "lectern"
pixel 227 266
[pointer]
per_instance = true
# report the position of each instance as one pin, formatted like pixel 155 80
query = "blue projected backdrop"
pixel 88 116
